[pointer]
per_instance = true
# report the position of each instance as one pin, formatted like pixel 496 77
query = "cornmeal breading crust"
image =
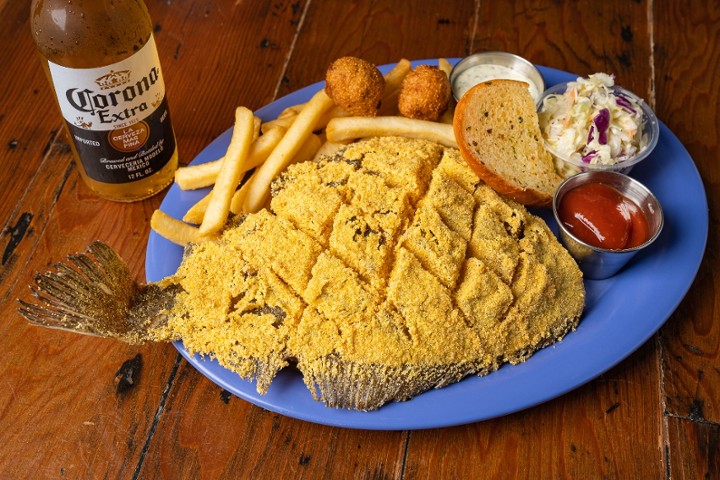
pixel 381 272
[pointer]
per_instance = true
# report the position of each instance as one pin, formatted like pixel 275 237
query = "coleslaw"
pixel 593 122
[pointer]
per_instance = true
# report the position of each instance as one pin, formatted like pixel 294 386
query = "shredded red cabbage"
pixel 589 156
pixel 591 134
pixel 624 102
pixel 602 122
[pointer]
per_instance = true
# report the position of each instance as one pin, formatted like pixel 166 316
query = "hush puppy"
pixel 424 93
pixel 357 86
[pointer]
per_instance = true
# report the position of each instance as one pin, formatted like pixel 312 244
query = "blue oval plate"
pixel 621 313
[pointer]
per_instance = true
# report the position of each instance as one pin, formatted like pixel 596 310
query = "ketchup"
pixel 601 216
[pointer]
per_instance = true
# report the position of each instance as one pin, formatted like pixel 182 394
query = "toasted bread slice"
pixel 497 131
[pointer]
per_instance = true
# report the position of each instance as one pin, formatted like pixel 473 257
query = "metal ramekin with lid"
pixel 483 66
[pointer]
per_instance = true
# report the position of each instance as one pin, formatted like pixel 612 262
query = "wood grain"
pixel 25 136
pixel 687 82
pixel 693 449
pixel 380 32
pixel 690 79
pixel 574 436
pixel 61 389
pixel 580 37
pixel 229 438
pixel 213 65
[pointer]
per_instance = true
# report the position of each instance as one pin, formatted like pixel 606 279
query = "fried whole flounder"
pixel 383 271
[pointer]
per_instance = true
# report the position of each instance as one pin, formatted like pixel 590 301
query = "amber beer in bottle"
pixel 102 62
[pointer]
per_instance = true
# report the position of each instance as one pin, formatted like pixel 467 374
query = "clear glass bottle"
pixel 102 63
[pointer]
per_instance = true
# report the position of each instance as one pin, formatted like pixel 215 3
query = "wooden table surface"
pixel 62 411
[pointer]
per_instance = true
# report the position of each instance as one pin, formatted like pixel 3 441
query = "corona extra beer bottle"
pixel 103 66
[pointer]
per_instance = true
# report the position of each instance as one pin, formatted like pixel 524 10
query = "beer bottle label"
pixel 117 116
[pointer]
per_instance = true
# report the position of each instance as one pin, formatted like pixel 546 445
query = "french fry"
pixel 284 119
pixel 174 230
pixel 282 123
pixel 230 172
pixel 203 175
pixel 193 177
pixel 328 148
pixel 237 204
pixel 393 81
pixel 335 111
pixel 345 129
pixel 296 135
pixel 445 66
pixel 394 77
pixel 257 123
pixel 291 111
pixel 447 116
pixel 285 122
pixel 259 151
pixel 196 213
pixel 308 151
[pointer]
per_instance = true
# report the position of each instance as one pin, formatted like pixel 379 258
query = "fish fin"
pixel 93 293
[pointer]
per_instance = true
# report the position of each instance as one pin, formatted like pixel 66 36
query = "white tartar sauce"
pixel 482 73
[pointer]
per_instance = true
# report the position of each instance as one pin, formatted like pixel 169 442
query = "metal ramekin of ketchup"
pixel 604 219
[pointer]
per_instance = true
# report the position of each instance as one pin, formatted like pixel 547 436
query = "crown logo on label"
pixel 80 122
pixel 113 79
